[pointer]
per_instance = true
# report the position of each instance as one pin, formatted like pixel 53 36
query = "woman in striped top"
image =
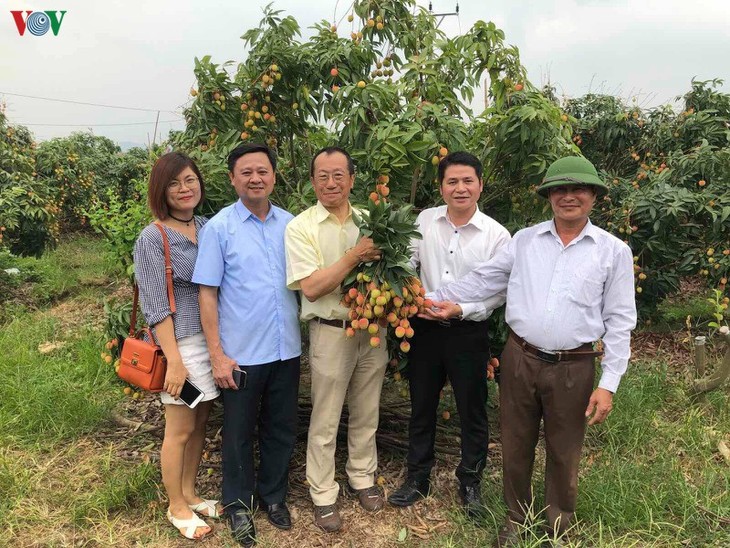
pixel 175 189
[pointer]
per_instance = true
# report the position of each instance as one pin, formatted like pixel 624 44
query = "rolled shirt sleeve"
pixel 149 272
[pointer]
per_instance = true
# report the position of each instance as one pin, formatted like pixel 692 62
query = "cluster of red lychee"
pixel 382 191
pixel 373 304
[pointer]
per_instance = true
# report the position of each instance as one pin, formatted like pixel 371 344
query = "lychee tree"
pixel 669 177
pixel 27 212
pixel 391 88
pixel 77 170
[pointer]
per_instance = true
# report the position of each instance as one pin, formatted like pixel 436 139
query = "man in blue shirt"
pixel 251 325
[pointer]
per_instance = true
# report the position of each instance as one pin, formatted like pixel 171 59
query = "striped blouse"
pixel 149 267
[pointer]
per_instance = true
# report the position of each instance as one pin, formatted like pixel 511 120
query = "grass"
pixel 77 267
pixel 673 312
pixel 58 483
pixel 651 476
pixel 46 398
pixel 657 476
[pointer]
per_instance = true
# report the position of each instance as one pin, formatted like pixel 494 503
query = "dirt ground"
pixel 136 435
pixel 142 420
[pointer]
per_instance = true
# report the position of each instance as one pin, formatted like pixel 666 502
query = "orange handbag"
pixel 142 363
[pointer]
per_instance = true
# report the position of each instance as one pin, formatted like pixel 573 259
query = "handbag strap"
pixel 168 282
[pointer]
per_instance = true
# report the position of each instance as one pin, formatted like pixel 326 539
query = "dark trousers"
pixel 269 399
pixel 558 393
pixel 459 353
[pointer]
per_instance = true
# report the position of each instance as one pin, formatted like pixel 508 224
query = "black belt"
pixel 420 323
pixel 455 323
pixel 555 356
pixel 342 324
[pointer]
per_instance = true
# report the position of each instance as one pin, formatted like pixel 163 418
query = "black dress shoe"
pixel 279 515
pixel 410 492
pixel 471 498
pixel 242 527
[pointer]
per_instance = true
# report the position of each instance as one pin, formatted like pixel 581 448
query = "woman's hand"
pixel 175 377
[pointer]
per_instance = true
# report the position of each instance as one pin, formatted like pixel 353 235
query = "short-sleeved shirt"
pixel 149 271
pixel 244 258
pixel 316 239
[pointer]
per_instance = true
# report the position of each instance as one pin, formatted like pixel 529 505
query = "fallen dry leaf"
pixel 48 347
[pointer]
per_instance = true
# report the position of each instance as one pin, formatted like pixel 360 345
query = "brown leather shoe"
pixel 370 498
pixel 328 518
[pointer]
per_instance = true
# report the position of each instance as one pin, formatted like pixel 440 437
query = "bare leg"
pixel 179 426
pixel 194 452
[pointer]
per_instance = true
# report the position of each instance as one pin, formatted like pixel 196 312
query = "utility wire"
pixel 83 103
pixel 99 125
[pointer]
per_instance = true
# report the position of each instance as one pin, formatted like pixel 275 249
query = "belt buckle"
pixel 445 323
pixel 547 356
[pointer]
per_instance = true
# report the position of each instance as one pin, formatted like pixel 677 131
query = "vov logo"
pixel 38 22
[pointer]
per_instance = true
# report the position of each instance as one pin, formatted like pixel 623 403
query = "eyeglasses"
pixel 337 177
pixel 189 182
pixel 574 189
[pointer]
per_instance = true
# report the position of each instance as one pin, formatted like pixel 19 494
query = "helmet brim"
pixel 572 179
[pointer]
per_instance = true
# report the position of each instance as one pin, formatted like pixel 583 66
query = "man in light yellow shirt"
pixel 322 247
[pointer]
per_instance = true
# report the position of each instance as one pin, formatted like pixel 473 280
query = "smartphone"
pixel 191 394
pixel 240 377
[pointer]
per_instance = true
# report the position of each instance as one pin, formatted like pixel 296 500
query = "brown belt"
pixel 550 356
pixel 342 324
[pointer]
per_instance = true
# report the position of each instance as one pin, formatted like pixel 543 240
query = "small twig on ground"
pixel 136 426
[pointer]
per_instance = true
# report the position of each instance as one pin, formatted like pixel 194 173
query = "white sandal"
pixel 207 508
pixel 188 527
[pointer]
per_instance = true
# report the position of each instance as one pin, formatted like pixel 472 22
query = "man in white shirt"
pixel 456 238
pixel 569 284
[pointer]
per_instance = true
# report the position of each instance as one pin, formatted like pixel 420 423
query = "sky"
pixel 140 55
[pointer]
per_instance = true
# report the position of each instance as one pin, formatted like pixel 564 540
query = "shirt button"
pixel 450 251
pixel 447 271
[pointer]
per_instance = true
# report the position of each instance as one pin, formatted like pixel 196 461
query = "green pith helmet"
pixel 573 170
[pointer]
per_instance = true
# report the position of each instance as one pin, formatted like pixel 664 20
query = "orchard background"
pixel 396 92
pixel 384 83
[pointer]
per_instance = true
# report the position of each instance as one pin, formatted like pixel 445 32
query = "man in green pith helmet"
pixel 569 284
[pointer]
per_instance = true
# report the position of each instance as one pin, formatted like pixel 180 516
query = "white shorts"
pixel 195 357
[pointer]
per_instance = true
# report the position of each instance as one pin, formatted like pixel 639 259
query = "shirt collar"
pixel 322 214
pixel 244 213
pixel 476 220
pixel 589 230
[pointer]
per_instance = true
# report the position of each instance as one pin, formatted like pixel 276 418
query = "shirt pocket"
pixel 587 290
